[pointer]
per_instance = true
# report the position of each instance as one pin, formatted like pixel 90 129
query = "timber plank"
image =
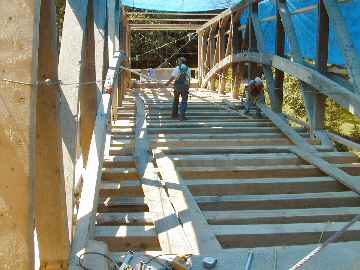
pixel 279 201
pixel 122 204
pixel 228 142
pixel 281 216
pixel 209 124
pixel 130 218
pixel 219 187
pixel 120 174
pixel 213 129
pixel 341 175
pixel 170 233
pixel 265 135
pixel 119 161
pixel 280 171
pixel 217 160
pixel 126 150
pixel 233 149
pixel 121 188
pixel 194 223
pixel 281 234
pixel 124 238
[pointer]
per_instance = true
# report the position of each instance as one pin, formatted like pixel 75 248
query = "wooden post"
pixel 236 45
pixel 221 55
pixel 51 214
pixel 88 92
pixel 19 28
pixel 275 106
pixel 321 64
pixel 200 56
pixel 307 90
pixel 212 46
pixel 70 70
pixel 252 43
pixel 280 49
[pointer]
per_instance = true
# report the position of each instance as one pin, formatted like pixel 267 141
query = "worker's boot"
pixel 182 117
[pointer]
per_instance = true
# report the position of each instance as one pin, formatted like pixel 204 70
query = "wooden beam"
pixel 51 212
pixel 274 99
pixel 280 51
pixel 221 55
pixel 342 95
pixel 352 145
pixel 163 27
pixel 194 223
pixel 307 90
pixel 204 14
pixel 92 175
pixel 343 177
pixel 285 128
pixel 88 93
pixel 321 64
pixel 199 20
pixel 18 62
pixel 280 216
pixel 70 71
pixel 278 201
pixel 246 236
pixel 121 238
pixel 234 186
pixel 171 235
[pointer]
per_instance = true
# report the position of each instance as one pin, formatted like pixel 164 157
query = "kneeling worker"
pixel 181 75
pixel 255 93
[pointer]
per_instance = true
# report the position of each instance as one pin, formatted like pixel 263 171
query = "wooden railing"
pixel 244 52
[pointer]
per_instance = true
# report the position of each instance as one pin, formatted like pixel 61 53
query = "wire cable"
pixel 191 37
pixel 99 254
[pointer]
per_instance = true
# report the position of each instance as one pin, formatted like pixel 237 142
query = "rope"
pixel 171 56
pixel 49 82
pixel 332 239
pixel 160 47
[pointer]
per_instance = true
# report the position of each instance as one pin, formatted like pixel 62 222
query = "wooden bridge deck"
pixel 220 184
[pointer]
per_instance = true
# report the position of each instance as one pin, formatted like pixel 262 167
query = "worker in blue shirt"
pixel 181 75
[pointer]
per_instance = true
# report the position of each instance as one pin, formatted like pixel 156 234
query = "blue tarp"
pixel 180 5
pixel 305 23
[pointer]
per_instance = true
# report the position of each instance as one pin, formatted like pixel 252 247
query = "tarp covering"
pixel 305 23
pixel 180 5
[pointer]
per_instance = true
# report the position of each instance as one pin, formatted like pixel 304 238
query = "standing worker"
pixel 255 93
pixel 181 75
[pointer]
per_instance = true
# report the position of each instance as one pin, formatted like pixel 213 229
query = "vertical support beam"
pixel 88 92
pixel 212 45
pixel 19 35
pixel 280 50
pixel 321 64
pixel 221 55
pixel 70 70
pixel 274 99
pixel 51 214
pixel 113 45
pixel 307 90
pixel 252 42
pixel 237 68
pixel 100 39
pixel 201 52
pixel 347 45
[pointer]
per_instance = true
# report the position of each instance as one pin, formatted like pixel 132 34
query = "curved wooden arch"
pixel 339 93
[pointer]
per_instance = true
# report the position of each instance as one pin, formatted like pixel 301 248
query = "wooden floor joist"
pixel 218 184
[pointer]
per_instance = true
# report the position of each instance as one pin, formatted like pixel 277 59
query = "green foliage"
pixel 60 11
pixel 293 100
